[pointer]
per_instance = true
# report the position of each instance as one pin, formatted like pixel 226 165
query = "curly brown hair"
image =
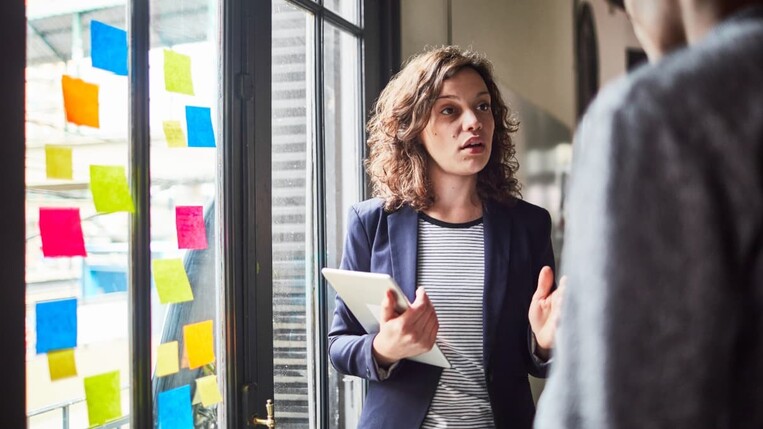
pixel 398 162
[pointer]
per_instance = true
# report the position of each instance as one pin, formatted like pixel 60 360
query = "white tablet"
pixel 363 294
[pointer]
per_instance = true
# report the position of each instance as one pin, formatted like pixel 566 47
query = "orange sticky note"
pixel 199 344
pixel 171 281
pixel 61 364
pixel 173 133
pixel 167 359
pixel 80 101
pixel 58 162
pixel 208 390
pixel 177 72
pixel 110 190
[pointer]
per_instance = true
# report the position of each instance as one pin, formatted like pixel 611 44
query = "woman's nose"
pixel 471 121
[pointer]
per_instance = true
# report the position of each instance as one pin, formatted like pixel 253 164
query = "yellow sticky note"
pixel 208 391
pixel 104 401
pixel 177 73
pixel 167 359
pixel 199 344
pixel 196 397
pixel 111 193
pixel 58 162
pixel 80 101
pixel 171 281
pixel 61 364
pixel 173 132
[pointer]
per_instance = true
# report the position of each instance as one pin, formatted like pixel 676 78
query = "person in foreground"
pixel 448 226
pixel 662 325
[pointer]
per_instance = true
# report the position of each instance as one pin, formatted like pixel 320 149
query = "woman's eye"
pixel 484 107
pixel 447 111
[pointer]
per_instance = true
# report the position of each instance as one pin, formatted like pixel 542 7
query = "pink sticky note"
pixel 190 227
pixel 61 232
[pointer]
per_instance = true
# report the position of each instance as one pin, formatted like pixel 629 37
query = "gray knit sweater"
pixel 662 325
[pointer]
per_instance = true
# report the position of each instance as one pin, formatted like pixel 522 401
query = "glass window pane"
pixel 347 9
pixel 185 77
pixel 293 208
pixel 76 252
pixel 344 143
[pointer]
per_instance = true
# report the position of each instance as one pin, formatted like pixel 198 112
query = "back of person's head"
pixel 398 163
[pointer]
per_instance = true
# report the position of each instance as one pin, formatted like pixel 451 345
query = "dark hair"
pixel 397 163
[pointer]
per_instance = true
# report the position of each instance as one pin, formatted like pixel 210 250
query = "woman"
pixel 447 219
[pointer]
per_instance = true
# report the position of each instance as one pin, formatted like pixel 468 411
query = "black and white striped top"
pixel 451 267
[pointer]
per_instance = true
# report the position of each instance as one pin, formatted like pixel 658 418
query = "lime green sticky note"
pixel 58 162
pixel 173 132
pixel 208 391
pixel 167 359
pixel 104 401
pixel 61 364
pixel 171 281
pixel 108 184
pixel 177 73
pixel 199 343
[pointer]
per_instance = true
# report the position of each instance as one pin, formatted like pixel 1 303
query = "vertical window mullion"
pixel 320 171
pixel 139 285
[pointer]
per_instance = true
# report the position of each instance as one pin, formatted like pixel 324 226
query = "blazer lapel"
pixel 497 236
pixel 403 232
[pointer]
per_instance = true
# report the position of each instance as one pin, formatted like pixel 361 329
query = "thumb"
pixel 545 281
pixel 388 306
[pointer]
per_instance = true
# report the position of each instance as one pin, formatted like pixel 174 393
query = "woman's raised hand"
pixel 545 309
pixel 408 334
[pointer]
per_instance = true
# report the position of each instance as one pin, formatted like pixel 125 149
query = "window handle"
pixel 270 422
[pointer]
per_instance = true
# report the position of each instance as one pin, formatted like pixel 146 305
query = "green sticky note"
pixel 58 162
pixel 171 281
pixel 108 183
pixel 104 401
pixel 177 73
pixel 173 132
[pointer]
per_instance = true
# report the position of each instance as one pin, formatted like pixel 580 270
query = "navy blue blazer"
pixel 517 246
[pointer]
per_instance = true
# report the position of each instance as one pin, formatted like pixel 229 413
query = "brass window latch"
pixel 270 422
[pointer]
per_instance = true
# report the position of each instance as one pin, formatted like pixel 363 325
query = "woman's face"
pixel 459 134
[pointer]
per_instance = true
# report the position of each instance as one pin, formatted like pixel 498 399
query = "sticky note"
pixel 61 232
pixel 199 344
pixel 58 162
pixel 175 408
pixel 199 124
pixel 189 222
pixel 108 47
pixel 173 133
pixel 56 325
pixel 111 193
pixel 208 390
pixel 104 401
pixel 177 73
pixel 61 364
pixel 80 101
pixel 171 281
pixel 167 359
pixel 196 397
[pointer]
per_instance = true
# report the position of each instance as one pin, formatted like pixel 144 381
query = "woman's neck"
pixel 456 200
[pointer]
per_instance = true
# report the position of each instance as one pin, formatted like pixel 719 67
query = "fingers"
pixel 388 306
pixel 545 282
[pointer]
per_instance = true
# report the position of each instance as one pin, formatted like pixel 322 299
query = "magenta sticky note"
pixel 190 227
pixel 61 232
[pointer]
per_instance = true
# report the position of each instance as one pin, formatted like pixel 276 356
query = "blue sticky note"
pixel 56 325
pixel 175 408
pixel 199 126
pixel 108 47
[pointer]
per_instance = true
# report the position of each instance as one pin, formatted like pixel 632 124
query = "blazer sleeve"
pixel 350 346
pixel 543 255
